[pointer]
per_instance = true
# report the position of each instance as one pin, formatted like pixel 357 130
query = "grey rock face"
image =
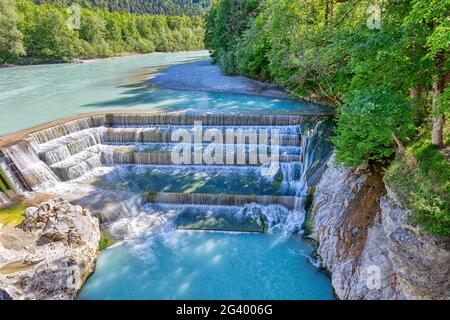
pixel 58 260
pixel 421 261
pixel 368 243
pixel 347 225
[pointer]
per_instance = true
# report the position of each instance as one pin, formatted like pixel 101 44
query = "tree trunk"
pixel 400 146
pixel 438 120
pixel 329 13
pixel 437 133
pixel 415 92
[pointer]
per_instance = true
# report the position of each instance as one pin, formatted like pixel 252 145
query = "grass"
pixel 421 178
pixel 13 214
pixel 5 184
pixel 309 223
pixel 2 186
pixel 105 240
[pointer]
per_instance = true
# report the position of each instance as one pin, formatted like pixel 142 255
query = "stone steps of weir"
pixel 111 205
pixel 165 158
pixel 77 165
pixel 80 164
pixel 214 119
pixel 217 199
pixel 72 148
pixel 155 147
pixel 67 128
pixel 142 119
pixel 75 142
pixel 52 144
pixel 154 137
pixel 288 137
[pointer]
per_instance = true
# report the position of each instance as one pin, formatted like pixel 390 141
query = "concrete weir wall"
pixel 218 199
pixel 65 149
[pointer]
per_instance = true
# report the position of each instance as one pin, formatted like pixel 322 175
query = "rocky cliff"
pixel 367 242
pixel 50 254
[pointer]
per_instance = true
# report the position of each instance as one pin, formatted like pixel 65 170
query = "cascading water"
pixel 125 209
pixel 27 164
pixel 70 151
pixel 296 220
pixel 4 199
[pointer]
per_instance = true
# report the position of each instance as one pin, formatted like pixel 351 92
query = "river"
pixel 160 259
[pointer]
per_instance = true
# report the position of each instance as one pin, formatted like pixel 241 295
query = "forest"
pixel 383 65
pixel 52 33
pixel 166 7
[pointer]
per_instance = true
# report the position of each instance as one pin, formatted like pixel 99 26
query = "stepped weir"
pixel 52 158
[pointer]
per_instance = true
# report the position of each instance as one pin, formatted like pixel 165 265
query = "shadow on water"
pixel 138 179
pixel 145 95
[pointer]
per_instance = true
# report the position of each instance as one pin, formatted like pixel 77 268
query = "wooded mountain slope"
pixel 166 7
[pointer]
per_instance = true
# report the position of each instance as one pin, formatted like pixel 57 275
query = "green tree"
pixel 367 123
pixel 435 15
pixel 11 39
pixel 48 37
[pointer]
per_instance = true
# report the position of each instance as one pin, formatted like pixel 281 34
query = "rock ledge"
pixel 50 255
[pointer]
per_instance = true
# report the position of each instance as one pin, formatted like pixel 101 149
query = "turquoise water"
pixel 169 264
pixel 199 179
pixel 33 95
pixel 204 265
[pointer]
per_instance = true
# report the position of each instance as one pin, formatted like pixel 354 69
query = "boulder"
pixel 61 255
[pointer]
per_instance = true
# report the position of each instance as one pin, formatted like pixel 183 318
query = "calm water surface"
pixel 33 95
pixel 204 265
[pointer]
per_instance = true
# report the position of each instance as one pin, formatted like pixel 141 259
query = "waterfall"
pixel 24 163
pixel 125 209
pixel 289 172
pixel 70 150
pixel 78 165
pixel 272 217
pixel 4 200
pixel 64 151
pixel 216 119
pixel 296 220
pixel 217 199
pixel 67 128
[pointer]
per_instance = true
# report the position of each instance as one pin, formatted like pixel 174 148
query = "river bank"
pixel 206 76
pixel 81 60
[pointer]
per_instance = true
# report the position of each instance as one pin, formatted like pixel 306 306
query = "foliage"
pixel 105 240
pixel 165 7
pixel 387 81
pixel 43 33
pixel 365 123
pixel 11 39
pixel 422 179
pixel 251 52
pixel 226 22
pixel 13 213
pixel 327 51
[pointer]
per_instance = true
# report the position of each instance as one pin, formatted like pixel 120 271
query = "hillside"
pixel 166 7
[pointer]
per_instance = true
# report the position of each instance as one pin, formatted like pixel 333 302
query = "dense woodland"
pixel 36 33
pixel 166 7
pixel 384 65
